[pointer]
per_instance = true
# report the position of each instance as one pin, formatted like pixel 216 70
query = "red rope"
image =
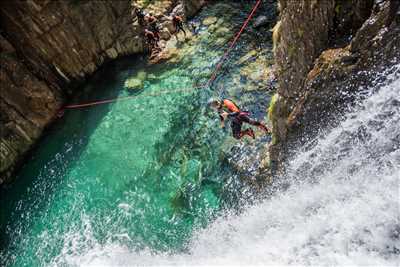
pixel 212 78
pixel 130 97
pixel 226 54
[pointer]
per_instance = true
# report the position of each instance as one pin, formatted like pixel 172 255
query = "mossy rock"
pixel 222 32
pixel 152 77
pixel 136 82
pixel 221 41
pixel 246 57
pixel 133 84
pixel 272 105
pixel 209 21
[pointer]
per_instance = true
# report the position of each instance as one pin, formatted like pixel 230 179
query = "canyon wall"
pixel 47 48
pixel 325 53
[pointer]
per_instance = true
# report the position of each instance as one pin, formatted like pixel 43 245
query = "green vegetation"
pixel 271 113
pixel 276 35
pixel 272 104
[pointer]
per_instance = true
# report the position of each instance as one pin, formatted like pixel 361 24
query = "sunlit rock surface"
pixel 318 70
pixel 47 48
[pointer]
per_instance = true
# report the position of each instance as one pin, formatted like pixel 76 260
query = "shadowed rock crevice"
pixel 324 57
pixel 47 49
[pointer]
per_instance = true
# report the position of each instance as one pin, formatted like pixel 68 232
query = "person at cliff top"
pixel 153 25
pixel 177 21
pixel 228 109
pixel 151 40
pixel 140 15
pixel 151 21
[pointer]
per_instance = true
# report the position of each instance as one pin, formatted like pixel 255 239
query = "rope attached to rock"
pixel 209 82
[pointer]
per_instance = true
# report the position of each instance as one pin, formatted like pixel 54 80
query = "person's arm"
pixel 222 117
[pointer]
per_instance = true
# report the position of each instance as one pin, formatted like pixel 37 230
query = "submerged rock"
pixel 247 57
pixel 209 20
pixel 223 32
pixel 260 21
pixel 249 158
pixel 137 82
pixel 257 74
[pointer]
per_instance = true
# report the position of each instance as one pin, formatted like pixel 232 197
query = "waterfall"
pixel 342 205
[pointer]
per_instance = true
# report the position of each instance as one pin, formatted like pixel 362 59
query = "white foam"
pixel 343 208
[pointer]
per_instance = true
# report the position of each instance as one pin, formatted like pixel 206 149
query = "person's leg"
pixel 246 119
pixel 248 132
pixel 237 132
pixel 181 28
pixel 236 129
pixel 176 30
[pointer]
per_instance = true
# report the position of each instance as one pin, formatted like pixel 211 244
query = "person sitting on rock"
pixel 153 25
pixel 156 32
pixel 140 16
pixel 151 39
pixel 177 21
pixel 151 21
pixel 228 109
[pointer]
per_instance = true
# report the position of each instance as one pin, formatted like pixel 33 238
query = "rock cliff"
pixel 191 7
pixel 47 48
pixel 326 52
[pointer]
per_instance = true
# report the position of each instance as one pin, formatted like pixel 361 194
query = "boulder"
pixel 165 34
pixel 137 82
pixel 260 21
pixel 192 6
pixel 209 21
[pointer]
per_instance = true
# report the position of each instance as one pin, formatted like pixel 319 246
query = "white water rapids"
pixel 342 206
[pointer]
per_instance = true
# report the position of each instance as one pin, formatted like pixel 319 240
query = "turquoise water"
pixel 142 173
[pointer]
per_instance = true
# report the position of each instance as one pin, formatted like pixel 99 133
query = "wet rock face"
pixel 304 27
pixel 47 48
pixel 58 44
pixel 299 37
pixel 70 39
pixel 27 104
pixel 318 73
pixel 192 6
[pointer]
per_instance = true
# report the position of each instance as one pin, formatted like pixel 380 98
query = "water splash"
pixel 342 206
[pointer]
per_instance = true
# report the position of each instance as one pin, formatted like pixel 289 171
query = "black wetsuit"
pixel 140 15
pixel 178 24
pixel 237 122
pixel 237 118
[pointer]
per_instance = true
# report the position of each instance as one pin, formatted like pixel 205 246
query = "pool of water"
pixel 142 173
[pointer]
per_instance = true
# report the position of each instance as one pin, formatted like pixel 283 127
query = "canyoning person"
pixel 151 21
pixel 227 109
pixel 177 21
pixel 151 39
pixel 140 16
pixel 153 26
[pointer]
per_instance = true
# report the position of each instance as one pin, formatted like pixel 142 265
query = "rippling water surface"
pixel 341 206
pixel 140 174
